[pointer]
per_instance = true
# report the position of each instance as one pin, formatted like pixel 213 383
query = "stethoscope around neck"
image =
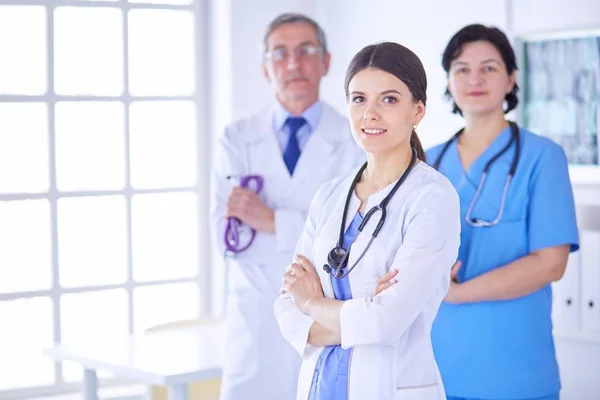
pixel 514 138
pixel 338 256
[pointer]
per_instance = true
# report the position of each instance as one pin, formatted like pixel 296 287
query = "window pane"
pixel 26 330
pixel 153 305
pixel 90 149
pixel 92 241
pixel 23 147
pixel 88 51
pixel 92 317
pixel 161 61
pixel 23 69
pixel 165 236
pixel 176 2
pixel 25 246
pixel 163 144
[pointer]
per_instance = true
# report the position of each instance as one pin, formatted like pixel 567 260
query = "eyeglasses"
pixel 302 52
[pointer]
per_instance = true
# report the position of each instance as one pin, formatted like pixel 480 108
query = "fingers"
pixel 296 269
pixel 387 277
pixel 456 267
pixel 454 270
pixel 386 285
pixel 242 195
pixel 284 286
pixel 287 279
pixel 305 263
pixel 293 271
pixel 386 281
pixel 284 289
pixel 240 199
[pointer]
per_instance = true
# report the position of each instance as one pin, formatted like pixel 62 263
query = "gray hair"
pixel 292 18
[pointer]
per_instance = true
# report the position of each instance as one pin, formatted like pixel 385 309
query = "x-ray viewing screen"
pixel 561 94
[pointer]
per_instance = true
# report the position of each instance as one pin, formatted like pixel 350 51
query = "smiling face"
pixel 382 111
pixel 295 62
pixel 478 80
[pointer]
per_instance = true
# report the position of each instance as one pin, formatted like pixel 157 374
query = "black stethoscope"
pixel 338 256
pixel 516 138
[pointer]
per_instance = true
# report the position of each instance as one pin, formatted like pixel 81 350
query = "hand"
pixel 250 209
pixel 302 283
pixel 386 281
pixel 454 292
pixel 454 271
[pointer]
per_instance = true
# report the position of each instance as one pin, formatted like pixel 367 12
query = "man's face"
pixel 295 62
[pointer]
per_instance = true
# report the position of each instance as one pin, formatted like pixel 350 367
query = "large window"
pixel 102 183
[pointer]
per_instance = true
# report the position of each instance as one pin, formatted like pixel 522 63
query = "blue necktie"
pixel 292 149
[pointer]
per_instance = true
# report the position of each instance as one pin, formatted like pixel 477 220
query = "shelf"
pixel 578 336
pixel 586 195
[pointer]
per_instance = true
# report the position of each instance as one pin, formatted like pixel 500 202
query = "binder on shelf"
pixel 567 296
pixel 590 281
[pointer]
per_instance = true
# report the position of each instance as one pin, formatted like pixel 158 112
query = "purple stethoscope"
pixel 233 226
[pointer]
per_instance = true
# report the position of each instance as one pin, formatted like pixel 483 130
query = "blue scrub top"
pixel 505 349
pixel 330 380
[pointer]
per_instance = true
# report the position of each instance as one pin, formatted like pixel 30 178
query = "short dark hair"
pixel 399 61
pixel 497 38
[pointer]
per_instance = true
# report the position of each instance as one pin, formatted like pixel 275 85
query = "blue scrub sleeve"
pixel 552 220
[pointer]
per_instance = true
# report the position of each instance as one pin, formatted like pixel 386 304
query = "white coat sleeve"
pixel 293 323
pixel 423 260
pixel 228 160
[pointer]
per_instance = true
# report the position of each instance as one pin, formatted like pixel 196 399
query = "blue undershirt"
pixel 330 381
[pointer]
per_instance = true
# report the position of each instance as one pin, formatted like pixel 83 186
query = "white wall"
pixel 532 16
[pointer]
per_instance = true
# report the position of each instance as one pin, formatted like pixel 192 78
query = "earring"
pixel 415 127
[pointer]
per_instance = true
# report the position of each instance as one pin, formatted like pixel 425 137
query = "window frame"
pixel 199 8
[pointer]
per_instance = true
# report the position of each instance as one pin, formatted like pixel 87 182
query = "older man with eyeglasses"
pixel 288 150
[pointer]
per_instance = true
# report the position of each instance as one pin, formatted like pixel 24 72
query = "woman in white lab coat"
pixel 395 215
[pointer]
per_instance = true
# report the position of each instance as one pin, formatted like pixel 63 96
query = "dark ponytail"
pixel 399 61
pixel 416 143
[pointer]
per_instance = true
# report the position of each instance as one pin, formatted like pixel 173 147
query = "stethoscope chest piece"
pixel 336 260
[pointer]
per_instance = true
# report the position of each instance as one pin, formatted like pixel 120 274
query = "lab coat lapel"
pixel 330 233
pixel 262 143
pixel 319 147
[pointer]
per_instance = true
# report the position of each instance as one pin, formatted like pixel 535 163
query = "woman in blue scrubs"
pixel 492 337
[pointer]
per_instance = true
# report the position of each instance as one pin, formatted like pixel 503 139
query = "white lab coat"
pixel 259 363
pixel 392 356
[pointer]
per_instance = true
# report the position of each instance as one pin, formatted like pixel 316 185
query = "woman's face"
pixel 478 80
pixel 381 110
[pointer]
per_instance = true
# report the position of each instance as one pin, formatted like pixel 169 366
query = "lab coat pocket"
pixel 419 392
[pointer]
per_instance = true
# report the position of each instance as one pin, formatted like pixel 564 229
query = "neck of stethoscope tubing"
pixel 476 197
pixel 503 200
